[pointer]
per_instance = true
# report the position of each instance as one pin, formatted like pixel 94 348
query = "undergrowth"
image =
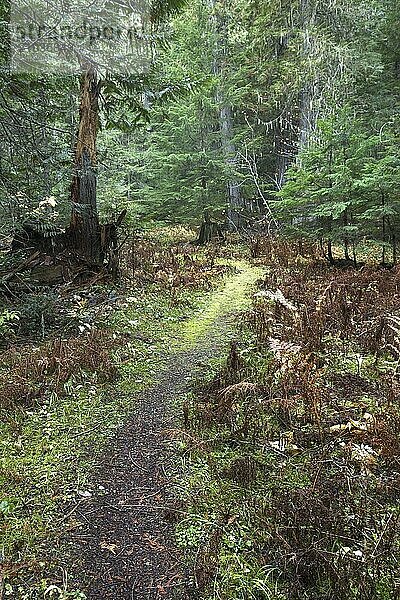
pixel 291 447
pixel 62 398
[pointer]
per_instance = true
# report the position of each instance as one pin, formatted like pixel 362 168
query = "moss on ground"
pixel 47 453
pixel 230 299
pixel 290 471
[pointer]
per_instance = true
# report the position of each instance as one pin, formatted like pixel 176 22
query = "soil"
pixel 124 548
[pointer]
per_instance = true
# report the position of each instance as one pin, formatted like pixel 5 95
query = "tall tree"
pixel 220 24
pixel 84 232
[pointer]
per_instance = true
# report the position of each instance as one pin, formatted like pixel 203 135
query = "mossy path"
pixel 123 538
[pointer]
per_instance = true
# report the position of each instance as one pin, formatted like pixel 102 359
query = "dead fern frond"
pixel 243 388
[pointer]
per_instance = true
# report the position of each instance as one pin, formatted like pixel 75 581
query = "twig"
pixel 65 517
pixel 381 536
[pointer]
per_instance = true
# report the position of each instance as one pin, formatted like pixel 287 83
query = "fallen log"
pixel 22 266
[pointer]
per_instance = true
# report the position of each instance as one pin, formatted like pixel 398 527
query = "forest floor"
pixel 87 508
pixel 221 428
pixel 125 546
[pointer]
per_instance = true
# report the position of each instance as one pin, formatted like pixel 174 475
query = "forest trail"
pixel 124 548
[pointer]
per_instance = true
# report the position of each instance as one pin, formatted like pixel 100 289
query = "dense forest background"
pixel 282 112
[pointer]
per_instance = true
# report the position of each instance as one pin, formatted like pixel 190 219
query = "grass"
pixel 48 450
pixel 290 464
pixel 232 298
pixel 285 499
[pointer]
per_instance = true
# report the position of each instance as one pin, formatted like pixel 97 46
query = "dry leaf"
pixel 108 546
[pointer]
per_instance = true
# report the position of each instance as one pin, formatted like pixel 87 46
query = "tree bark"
pixel 330 253
pixel 84 231
pixel 307 116
pixel 209 230
pixel 226 121
pixel 235 201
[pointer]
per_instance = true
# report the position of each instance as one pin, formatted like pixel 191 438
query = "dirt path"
pixel 124 547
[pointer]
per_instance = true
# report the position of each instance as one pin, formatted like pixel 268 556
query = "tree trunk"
pixel 383 201
pixel 226 123
pixel 235 201
pixel 346 239
pixel 330 253
pixel 354 255
pixel 209 231
pixel 289 139
pixel 84 231
pixel 307 116
pixel 283 144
